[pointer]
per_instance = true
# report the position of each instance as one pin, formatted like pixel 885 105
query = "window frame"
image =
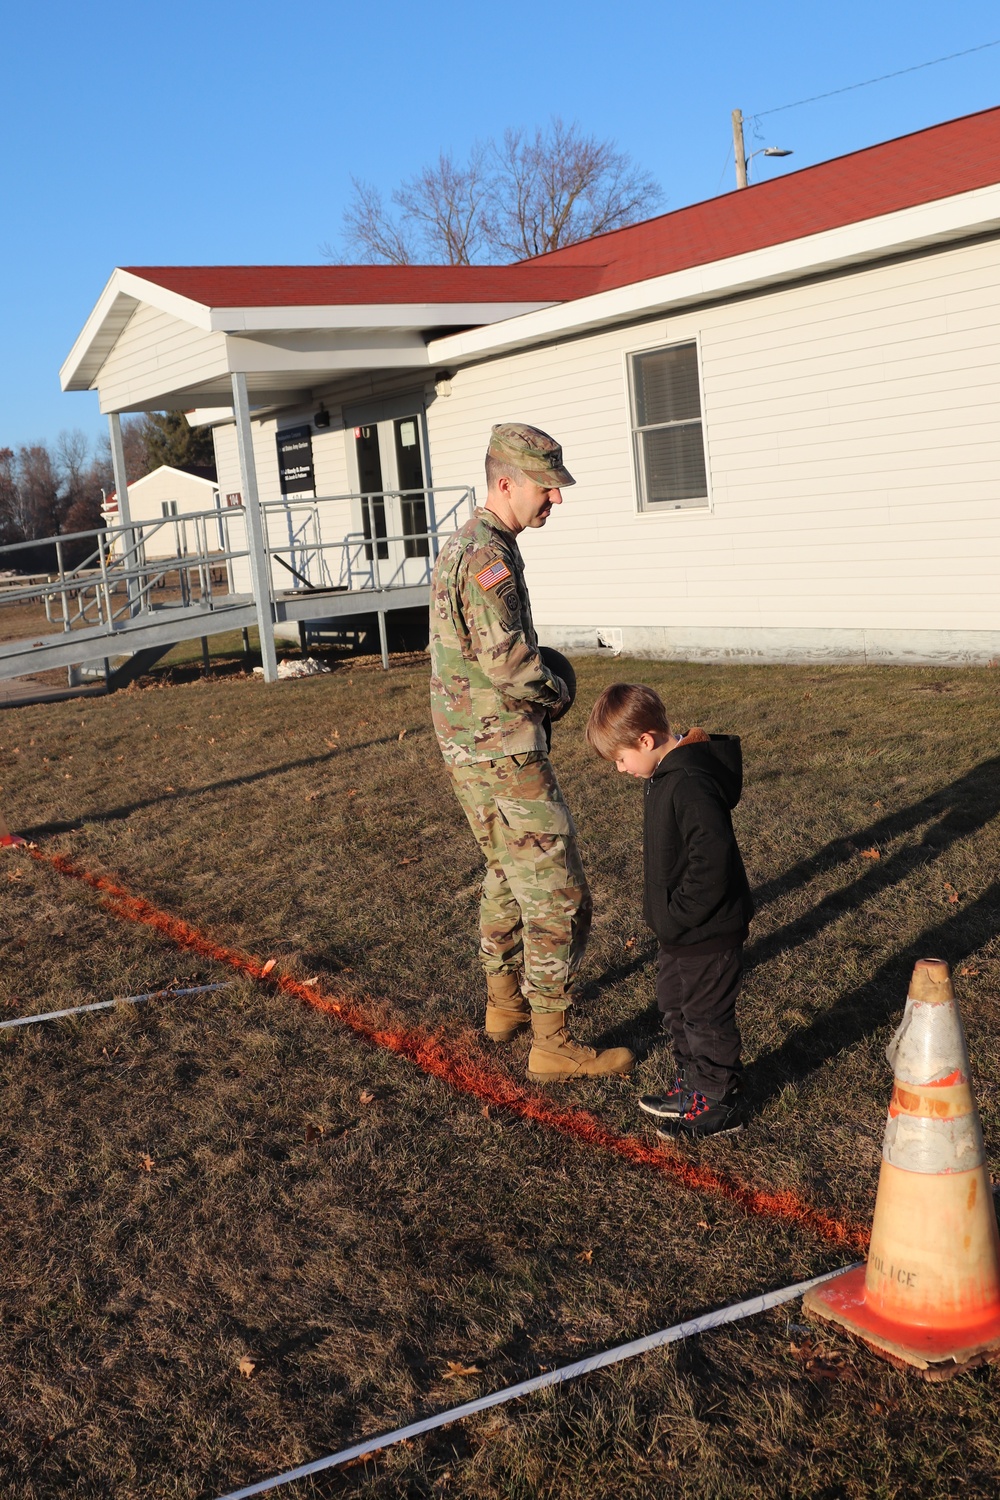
pixel 659 507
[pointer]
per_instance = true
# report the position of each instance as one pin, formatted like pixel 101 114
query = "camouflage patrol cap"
pixel 538 456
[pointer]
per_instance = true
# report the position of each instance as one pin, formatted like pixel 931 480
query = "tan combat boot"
pixel 554 1055
pixel 506 1008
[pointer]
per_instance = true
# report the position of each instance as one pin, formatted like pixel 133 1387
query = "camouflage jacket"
pixel 490 689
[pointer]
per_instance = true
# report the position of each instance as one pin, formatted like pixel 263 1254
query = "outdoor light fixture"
pixel 740 151
pixel 442 383
pixel 322 418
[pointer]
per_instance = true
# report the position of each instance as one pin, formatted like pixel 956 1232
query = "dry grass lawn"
pixel 192 1182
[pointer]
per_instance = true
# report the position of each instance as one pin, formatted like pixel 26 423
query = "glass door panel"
pixel 370 483
pixel 410 476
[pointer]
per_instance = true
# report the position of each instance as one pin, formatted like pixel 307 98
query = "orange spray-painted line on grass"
pixel 468 1074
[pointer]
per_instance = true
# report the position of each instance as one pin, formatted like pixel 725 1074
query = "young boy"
pixel 696 898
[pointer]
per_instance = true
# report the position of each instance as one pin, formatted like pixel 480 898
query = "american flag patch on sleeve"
pixel 494 574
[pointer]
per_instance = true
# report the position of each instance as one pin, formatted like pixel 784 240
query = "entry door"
pixel 394 517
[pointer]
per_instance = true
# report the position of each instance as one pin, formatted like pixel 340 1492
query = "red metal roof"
pixel 944 160
pixel 347 286
pixel 936 163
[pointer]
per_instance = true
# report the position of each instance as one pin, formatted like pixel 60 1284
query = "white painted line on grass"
pixel 593 1362
pixel 79 1010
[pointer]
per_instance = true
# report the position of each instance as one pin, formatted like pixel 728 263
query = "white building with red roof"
pixel 780 406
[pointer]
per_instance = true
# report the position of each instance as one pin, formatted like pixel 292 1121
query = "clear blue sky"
pixel 226 131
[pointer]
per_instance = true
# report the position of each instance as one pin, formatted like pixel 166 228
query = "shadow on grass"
pixel 875 1003
pixel 967 803
pixel 125 810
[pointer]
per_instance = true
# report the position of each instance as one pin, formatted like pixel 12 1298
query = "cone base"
pixel 932 1353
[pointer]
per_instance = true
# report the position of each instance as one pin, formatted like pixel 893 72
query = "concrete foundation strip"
pixel 679 1331
pixel 78 1010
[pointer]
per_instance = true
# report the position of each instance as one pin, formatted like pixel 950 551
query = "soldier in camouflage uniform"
pixel 491 697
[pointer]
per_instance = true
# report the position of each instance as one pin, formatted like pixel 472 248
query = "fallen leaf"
pixel 365 1097
pixel 401 735
pixel 313 980
pixel 953 899
pixel 457 1371
pixel 584 1257
pixel 411 859
pixel 268 966
pixel 313 796
pixel 703 1225
pixel 485 1111
pixel 630 943
pixel 827 1364
pixel 312 1131
pixel 15 875
pixel 968 973
pixel 146 1162
pixel 871 854
pixel 248 1366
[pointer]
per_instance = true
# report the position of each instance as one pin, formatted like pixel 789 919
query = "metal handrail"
pixel 116 578
pixel 360 572
pixel 84 595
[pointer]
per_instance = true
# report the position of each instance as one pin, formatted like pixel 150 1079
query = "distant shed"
pixel 169 495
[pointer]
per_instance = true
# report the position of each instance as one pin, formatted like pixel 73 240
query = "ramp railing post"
pixel 124 510
pixel 259 568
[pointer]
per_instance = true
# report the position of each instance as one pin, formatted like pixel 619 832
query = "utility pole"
pixel 739 150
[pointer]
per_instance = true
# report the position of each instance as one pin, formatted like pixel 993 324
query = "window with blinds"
pixel 666 428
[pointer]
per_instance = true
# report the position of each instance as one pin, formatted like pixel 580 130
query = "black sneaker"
pixel 700 1116
pixel 664 1106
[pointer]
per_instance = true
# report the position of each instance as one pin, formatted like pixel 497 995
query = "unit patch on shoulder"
pixel 488 578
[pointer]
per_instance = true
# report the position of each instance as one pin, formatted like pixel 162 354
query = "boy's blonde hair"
pixel 622 713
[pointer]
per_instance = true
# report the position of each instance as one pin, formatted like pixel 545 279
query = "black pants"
pixel 697 997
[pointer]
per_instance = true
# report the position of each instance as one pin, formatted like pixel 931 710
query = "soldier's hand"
pixel 565 705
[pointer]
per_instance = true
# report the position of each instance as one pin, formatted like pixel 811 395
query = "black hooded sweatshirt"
pixel 696 893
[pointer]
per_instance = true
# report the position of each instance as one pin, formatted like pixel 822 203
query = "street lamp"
pixel 739 150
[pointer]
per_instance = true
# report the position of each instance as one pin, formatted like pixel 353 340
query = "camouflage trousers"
pixel 536 907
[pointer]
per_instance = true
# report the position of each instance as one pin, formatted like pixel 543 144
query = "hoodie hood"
pixel 717 755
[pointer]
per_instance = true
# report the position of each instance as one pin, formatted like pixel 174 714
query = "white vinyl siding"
pixel 156 352
pixel 853 446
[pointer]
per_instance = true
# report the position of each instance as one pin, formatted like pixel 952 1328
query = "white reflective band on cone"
pixel 919 1144
pixel 929 1043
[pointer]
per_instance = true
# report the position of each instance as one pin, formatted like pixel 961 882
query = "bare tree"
pixel 135 445
pixel 444 204
pixel 38 491
pixel 10 521
pixel 560 186
pixel 519 198
pixel 370 229
pixel 48 489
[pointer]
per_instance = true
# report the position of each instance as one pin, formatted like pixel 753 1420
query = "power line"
pixel 984 46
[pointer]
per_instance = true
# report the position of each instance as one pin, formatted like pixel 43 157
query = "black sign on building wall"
pixel 295 460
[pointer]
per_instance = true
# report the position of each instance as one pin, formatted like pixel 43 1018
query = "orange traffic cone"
pixel 929 1297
